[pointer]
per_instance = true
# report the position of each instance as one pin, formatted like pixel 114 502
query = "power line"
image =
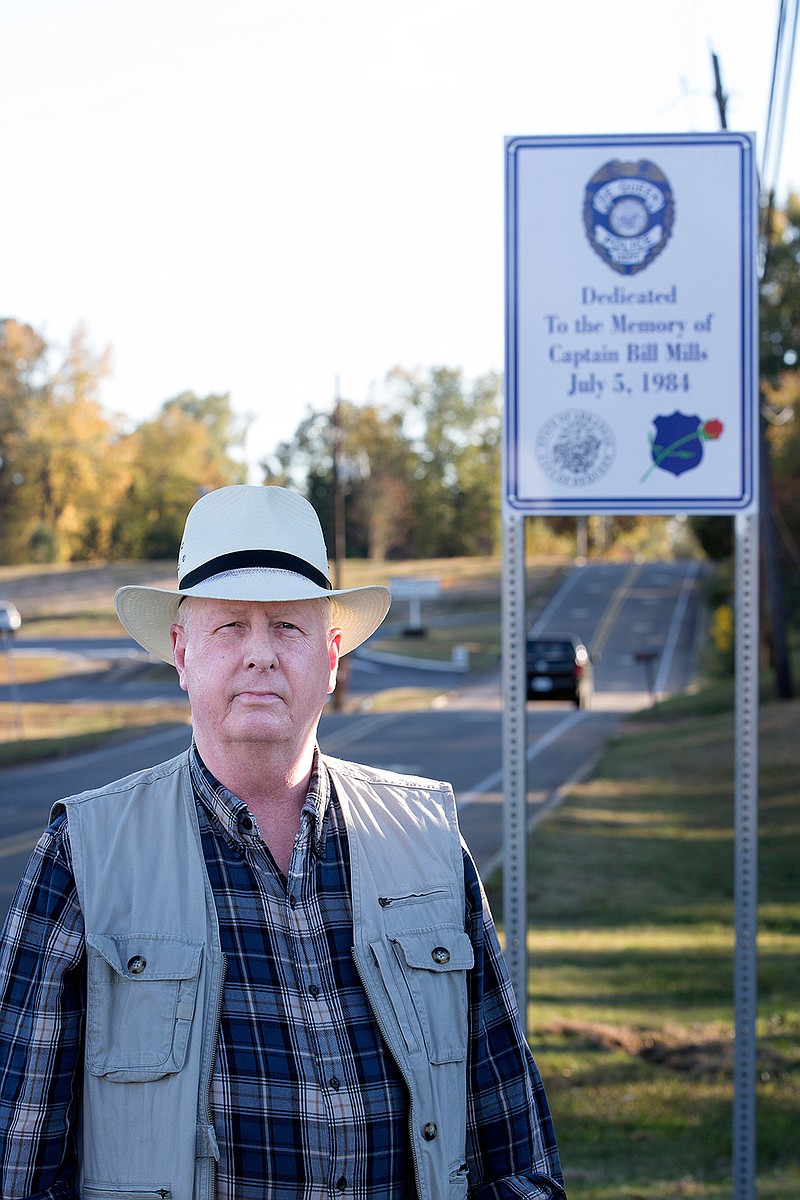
pixel 787 86
pixel 780 88
pixel 773 83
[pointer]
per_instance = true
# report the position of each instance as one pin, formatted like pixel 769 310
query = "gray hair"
pixel 188 604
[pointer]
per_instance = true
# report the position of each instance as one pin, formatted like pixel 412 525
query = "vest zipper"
pixel 214 1048
pixel 382 1027
pixel 412 897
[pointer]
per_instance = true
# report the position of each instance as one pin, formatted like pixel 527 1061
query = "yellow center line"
pixel 614 605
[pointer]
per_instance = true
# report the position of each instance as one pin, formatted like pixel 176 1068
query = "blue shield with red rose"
pixel 678 443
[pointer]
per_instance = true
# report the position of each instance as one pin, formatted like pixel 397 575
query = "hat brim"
pixel 148 613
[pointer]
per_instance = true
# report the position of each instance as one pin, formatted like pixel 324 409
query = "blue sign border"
pixel 747 498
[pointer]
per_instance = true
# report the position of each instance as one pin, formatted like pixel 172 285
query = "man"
pixel 254 971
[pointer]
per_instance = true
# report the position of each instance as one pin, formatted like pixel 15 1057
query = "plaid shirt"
pixel 306 1099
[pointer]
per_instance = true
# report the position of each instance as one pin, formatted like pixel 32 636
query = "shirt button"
pixel 314 990
pixel 440 955
pixel 430 1131
pixel 136 964
pixel 292 902
pixel 246 824
pixel 341 1183
pixel 335 1083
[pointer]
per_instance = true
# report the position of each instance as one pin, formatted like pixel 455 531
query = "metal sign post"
pixel 631 387
pixel 515 763
pixel 745 982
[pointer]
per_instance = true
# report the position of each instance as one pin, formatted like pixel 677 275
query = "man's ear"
pixel 334 648
pixel 177 635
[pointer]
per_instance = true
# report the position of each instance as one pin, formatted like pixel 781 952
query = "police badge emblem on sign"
pixel 628 212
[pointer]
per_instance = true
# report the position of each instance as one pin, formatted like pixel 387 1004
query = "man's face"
pixel 255 672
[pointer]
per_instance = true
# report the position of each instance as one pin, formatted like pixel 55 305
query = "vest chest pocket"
pixel 141 994
pixel 434 963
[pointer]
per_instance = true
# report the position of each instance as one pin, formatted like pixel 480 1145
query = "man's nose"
pixel 262 647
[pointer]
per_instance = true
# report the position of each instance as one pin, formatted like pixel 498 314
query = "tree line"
pixel 419 471
pixel 415 470
pixel 75 482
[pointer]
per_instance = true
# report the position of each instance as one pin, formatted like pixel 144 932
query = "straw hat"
pixel 250 543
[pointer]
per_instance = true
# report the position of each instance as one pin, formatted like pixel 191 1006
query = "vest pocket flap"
pixel 434 964
pixel 141 995
pixel 142 958
pixel 445 948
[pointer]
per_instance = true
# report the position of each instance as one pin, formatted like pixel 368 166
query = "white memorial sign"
pixel 631 325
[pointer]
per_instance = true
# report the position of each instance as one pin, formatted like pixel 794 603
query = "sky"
pixel 279 198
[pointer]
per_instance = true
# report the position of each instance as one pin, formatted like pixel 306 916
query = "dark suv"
pixel 559 667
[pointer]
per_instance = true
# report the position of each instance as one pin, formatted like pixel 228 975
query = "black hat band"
pixel 239 560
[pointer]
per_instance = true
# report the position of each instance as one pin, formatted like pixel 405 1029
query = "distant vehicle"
pixel 559 667
pixel 10 620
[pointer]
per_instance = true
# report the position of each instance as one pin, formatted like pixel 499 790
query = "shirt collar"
pixel 232 814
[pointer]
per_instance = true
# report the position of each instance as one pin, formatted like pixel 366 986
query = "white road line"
pixel 554 601
pixel 555 798
pixel 491 781
pixel 334 742
pixel 671 642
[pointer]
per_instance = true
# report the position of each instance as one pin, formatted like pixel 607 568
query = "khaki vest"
pixel 155 974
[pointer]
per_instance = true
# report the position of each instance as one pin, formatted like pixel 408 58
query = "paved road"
pixel 618 609
pixel 128 681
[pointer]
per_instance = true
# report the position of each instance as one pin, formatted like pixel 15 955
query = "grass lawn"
pixel 31 731
pixel 631 961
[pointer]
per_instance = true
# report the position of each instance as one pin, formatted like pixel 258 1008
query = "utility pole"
pixel 722 99
pixel 338 494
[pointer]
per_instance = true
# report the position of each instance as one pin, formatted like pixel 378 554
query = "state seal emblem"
pixel 575 448
pixel 628 213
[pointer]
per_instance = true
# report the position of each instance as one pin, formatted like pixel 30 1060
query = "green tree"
pixel 779 308
pixel 375 467
pixel 73 485
pixel 783 436
pixel 74 475
pixel 22 375
pixel 184 451
pixel 779 326
pixel 226 429
pixel 420 470
pixel 305 462
pixel 456 437
pixel 65 476
pixel 780 451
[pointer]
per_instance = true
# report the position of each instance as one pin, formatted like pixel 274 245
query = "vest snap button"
pixel 136 964
pixel 440 955
pixel 430 1131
